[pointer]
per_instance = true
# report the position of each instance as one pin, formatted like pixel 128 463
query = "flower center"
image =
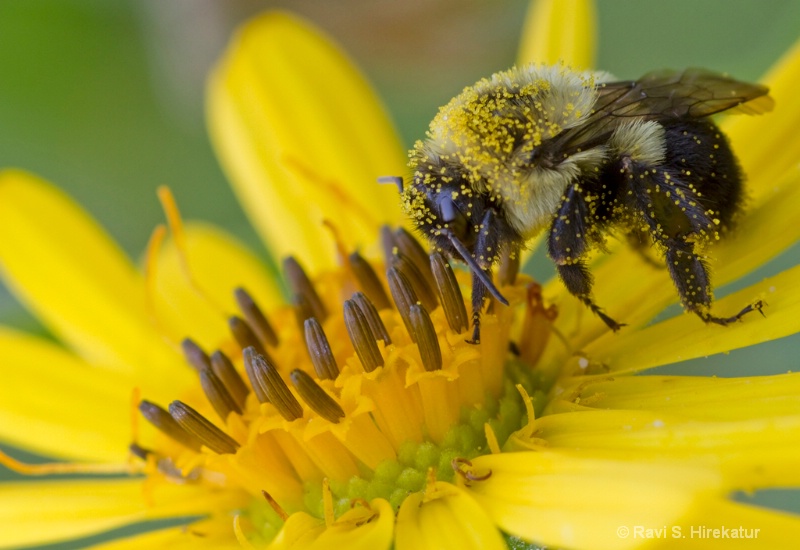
pixel 370 402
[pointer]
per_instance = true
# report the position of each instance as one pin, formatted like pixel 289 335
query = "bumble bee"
pixel 578 155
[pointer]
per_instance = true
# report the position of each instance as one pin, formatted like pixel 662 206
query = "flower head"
pixel 356 413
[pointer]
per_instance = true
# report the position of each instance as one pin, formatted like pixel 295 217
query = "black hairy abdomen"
pixel 698 153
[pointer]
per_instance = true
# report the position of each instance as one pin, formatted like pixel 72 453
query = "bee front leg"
pixel 478 297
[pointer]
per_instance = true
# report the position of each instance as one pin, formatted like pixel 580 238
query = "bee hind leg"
pixel 690 276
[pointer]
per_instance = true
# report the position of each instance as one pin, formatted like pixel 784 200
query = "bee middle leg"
pixel 567 244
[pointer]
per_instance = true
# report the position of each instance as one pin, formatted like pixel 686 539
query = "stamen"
pixel 218 394
pixel 255 317
pixel 368 281
pixel 361 336
pixel 244 335
pixel 320 350
pixel 276 389
pixel 253 375
pixel 195 355
pixel 200 427
pixel 301 285
pixel 426 339
pixel 373 317
pixel 230 377
pixel 316 398
pixel 275 506
pixel 491 439
pixel 327 503
pixel 449 293
pixel 422 288
pixel 162 420
pixel 403 295
pixel 139 451
pixel 509 268
pixel 241 538
pixel 302 308
pixel 413 250
pixel 388 243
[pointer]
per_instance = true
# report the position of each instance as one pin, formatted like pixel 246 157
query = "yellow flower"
pixel 372 423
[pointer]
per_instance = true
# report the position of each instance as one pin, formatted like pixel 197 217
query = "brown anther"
pixel 388 243
pixel 403 295
pixel 200 427
pixel 449 293
pixel 301 285
pixel 368 281
pixel 424 291
pixel 275 506
pixel 373 317
pixel 411 248
pixel 302 309
pixel 218 395
pixel 162 420
pixel 256 318
pixel 508 268
pixel 225 371
pixel 256 380
pixel 194 354
pixel 320 350
pixel 276 389
pixel 425 336
pixel 139 451
pixel 244 335
pixel 361 336
pixel 315 397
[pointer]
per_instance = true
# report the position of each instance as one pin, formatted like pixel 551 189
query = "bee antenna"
pixel 473 265
pixel 397 180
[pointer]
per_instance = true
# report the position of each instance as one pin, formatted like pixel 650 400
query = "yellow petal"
pixel 367 528
pixel 450 519
pixel 566 500
pixel 211 534
pixel 748 453
pixel 198 304
pixel 768 146
pixel 55 404
pixel 684 337
pixel 303 139
pixel 559 30
pixel 718 524
pixel 67 270
pixel 38 513
pixel 695 397
pixel 360 529
pixel 299 532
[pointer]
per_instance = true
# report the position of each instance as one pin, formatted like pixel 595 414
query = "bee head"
pixel 459 219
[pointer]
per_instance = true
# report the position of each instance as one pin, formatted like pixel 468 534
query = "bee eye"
pixel 452 216
pixel 447 207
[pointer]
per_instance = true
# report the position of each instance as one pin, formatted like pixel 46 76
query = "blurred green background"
pixel 105 97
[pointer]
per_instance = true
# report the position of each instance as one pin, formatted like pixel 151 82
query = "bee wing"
pixel 660 95
pixel 693 93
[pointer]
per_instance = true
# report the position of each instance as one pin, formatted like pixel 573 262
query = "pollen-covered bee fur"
pixel 580 155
